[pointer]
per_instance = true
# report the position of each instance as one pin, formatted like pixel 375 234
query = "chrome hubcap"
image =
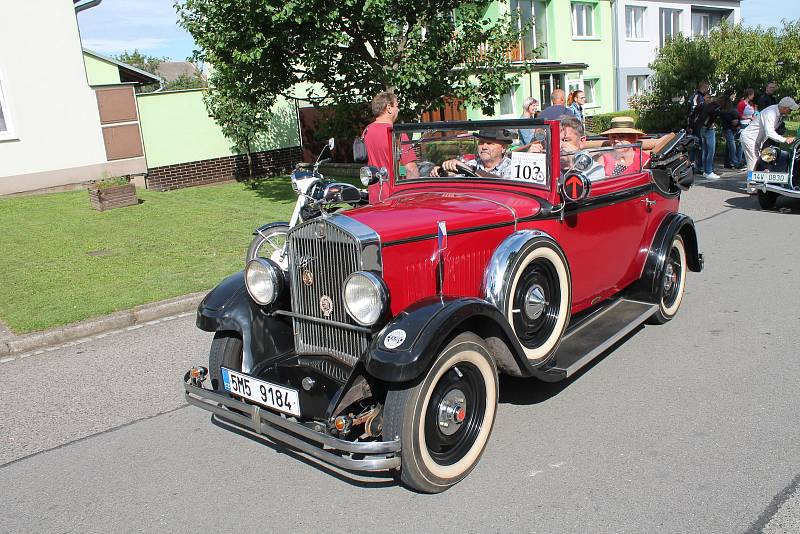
pixel 535 302
pixel 452 411
pixel 670 278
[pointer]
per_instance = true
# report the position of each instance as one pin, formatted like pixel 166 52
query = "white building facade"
pixel 643 26
pixel 51 129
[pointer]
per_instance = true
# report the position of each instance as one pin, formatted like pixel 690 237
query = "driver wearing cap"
pixel 491 159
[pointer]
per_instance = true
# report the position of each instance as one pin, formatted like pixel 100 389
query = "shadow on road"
pixel 528 391
pixel 784 205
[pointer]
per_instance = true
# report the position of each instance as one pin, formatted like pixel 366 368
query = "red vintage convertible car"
pixel 379 347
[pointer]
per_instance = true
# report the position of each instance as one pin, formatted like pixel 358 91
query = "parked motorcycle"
pixel 316 196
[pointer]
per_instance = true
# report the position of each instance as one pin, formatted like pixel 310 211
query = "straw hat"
pixel 623 125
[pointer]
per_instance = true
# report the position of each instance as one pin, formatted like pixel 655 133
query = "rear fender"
pixel 646 288
pixel 229 308
pixel 406 347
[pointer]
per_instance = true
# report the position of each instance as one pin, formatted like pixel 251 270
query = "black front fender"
pixel 427 326
pixel 229 308
pixel 646 288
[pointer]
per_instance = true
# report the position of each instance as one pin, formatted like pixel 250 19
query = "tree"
pixel 185 81
pixel 241 121
pixel 732 57
pixel 347 51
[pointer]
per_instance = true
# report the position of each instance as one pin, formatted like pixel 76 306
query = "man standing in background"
pixel 378 135
pixel 768 98
pixel 557 108
pixel 695 108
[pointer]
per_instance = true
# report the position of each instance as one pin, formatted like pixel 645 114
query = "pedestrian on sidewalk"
pixel 557 108
pixel 729 122
pixel 695 107
pixel 768 98
pixel 746 108
pixel 530 110
pixel 764 127
pixel 706 131
pixel 575 102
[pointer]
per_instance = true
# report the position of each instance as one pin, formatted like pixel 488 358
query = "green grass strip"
pixel 62 261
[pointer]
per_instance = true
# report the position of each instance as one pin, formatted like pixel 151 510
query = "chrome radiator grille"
pixel 325 262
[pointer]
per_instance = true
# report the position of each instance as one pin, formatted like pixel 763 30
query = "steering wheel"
pixel 462 169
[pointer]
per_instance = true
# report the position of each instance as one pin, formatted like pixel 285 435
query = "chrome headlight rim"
pixel 274 276
pixel 769 154
pixel 382 296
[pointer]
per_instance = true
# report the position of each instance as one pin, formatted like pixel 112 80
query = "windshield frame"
pixel 471 126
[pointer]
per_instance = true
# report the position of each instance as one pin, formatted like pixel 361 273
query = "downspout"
pixel 88 5
pixel 615 53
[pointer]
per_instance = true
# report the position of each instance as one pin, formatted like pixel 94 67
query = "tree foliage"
pixel 732 57
pixel 240 121
pixel 349 50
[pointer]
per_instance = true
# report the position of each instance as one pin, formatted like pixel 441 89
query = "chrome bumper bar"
pixel 775 189
pixel 372 456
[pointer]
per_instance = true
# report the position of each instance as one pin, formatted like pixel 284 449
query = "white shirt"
pixel 763 127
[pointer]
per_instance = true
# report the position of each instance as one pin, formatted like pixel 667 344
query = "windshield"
pixel 496 153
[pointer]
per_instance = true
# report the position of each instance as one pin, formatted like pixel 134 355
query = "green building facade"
pixel 575 50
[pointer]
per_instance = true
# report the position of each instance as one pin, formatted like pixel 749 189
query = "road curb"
pixel 138 315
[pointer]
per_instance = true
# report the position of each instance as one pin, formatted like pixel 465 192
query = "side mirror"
pixel 338 192
pixel 372 175
pixel 331 143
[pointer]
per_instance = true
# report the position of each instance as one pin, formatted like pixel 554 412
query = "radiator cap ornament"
pixel 326 305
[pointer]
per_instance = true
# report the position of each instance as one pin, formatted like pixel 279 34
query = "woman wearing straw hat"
pixel 624 159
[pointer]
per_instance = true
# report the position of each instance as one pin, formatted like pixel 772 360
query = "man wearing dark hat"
pixel 491 160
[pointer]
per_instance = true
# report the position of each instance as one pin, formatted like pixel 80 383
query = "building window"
pixel 670 24
pixel 634 22
pixel 6 127
pixel 507 101
pixel 636 85
pixel 536 36
pixel 701 23
pixel 582 24
pixel 590 90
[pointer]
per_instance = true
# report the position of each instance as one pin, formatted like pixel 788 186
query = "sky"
pixel 151 26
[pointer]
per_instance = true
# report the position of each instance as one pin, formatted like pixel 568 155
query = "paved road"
pixel 686 427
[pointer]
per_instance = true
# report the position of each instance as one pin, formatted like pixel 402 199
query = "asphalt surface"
pixel 686 427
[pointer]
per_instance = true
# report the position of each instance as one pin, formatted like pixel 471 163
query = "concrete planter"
pixel 112 197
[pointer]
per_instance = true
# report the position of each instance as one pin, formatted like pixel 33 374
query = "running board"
pixel 594 334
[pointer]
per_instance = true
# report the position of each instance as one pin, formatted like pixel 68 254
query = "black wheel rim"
pixel 672 277
pixel 540 278
pixel 447 449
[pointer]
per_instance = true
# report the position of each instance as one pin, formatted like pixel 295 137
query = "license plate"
pixel 768 177
pixel 272 396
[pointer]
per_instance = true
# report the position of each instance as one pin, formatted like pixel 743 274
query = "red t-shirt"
pixel 378 140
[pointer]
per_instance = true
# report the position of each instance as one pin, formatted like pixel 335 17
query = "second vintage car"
pixel 378 345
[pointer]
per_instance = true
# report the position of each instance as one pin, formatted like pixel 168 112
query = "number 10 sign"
pixel 529 167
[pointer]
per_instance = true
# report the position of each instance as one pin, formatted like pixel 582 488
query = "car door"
pixel 602 236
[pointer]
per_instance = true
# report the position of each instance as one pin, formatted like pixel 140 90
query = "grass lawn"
pixel 63 262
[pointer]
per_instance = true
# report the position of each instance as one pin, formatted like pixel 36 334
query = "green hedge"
pixel 602 122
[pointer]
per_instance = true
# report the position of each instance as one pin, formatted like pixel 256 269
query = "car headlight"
pixel 365 297
pixel 264 280
pixel 769 154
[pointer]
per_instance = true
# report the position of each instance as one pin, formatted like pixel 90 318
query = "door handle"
pixel 648 204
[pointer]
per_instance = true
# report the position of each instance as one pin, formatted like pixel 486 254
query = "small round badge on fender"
pixel 394 339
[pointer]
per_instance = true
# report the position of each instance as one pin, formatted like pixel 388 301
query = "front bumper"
pixel 781 190
pixel 348 455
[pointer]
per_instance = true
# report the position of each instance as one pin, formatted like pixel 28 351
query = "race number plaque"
pixel 530 167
